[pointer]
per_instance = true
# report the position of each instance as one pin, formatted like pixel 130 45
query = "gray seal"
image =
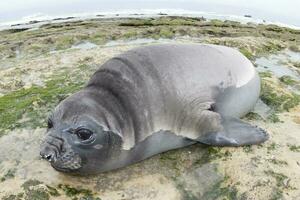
pixel 153 99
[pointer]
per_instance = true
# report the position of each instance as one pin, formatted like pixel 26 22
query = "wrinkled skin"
pixel 75 139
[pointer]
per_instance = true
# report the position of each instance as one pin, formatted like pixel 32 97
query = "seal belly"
pixel 156 143
pixel 159 142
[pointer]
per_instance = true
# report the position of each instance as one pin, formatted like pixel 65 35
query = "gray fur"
pixel 156 98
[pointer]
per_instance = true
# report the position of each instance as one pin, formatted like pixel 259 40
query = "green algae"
pixel 296 64
pixel 29 183
pixel 294 148
pixel 137 22
pixel 218 152
pixel 211 154
pixel 217 23
pixel 247 53
pixel 251 49
pixel 72 191
pixel 64 42
pixel 166 33
pixel 52 191
pixel 273 117
pixel 37 194
pixel 35 103
pixel 60 36
pixel 16 30
pixel 33 191
pixel 14 197
pixel 272 147
pixel 277 162
pixel 130 34
pixel 270 47
pixel 274 28
pixel 281 181
pixel 8 175
pixel 279 177
pixel 266 74
pixel 162 21
pixel 253 116
pixel 247 149
pixel 279 102
pixel 288 80
pixel 276 194
pixel 169 157
pixel 172 160
pixel 220 189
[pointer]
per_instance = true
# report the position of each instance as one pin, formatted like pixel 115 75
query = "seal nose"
pixel 48 157
pixel 47 154
pixel 51 147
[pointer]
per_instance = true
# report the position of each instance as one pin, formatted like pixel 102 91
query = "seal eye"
pixel 49 124
pixel 84 134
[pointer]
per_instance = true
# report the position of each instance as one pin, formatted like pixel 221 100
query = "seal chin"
pixel 68 162
pixel 65 170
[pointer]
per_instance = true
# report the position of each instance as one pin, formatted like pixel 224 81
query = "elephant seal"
pixel 153 99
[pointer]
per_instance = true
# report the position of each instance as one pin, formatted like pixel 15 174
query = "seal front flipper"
pixel 234 132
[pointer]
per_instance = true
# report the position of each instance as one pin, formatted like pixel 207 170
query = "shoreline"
pixel 39 19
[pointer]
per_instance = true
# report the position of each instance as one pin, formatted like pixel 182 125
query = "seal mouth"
pixel 68 162
pixel 59 154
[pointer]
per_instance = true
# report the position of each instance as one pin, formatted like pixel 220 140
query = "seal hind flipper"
pixel 234 133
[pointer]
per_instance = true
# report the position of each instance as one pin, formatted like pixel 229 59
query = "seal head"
pixel 78 139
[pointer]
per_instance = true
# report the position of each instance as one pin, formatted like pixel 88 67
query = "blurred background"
pixel 277 11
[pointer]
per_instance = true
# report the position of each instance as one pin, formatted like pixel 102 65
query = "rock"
pixel 198 182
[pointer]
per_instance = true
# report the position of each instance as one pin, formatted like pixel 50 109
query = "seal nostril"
pixel 48 157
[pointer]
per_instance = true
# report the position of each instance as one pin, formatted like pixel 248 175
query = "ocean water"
pixel 279 12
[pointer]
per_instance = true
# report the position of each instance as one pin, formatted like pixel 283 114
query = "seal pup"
pixel 153 99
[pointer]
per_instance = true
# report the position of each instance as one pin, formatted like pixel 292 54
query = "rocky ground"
pixel 39 67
